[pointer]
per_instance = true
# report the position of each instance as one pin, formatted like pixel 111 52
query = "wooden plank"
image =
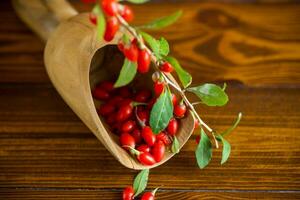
pixel 252 44
pixel 162 195
pixel 45 145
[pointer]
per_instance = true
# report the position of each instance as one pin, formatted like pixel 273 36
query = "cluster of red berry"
pixel 128 194
pixel 127 112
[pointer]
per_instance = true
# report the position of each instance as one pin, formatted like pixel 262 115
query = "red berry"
pixel 111 119
pixel 93 18
pixel 148 136
pixel 144 148
pixel 110 7
pixel 162 136
pixel 88 1
pixel 128 126
pixel 143 96
pixel 146 158
pixel 172 127
pixel 144 61
pixel 124 102
pixel 180 110
pixel 121 46
pixel 143 116
pixel 158 151
pixel 100 94
pixel 128 193
pixel 127 13
pixel 136 134
pixel 151 103
pixel 198 139
pixel 115 100
pixel 106 109
pixel 131 52
pixel 174 99
pixel 125 92
pixel 112 26
pixel 166 67
pixel 158 88
pixel 127 140
pixel 107 85
pixel 196 124
pixel 124 113
pixel 148 196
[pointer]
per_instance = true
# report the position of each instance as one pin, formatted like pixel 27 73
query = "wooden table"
pixel 46 152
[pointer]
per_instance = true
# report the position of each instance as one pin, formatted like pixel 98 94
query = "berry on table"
pixel 128 193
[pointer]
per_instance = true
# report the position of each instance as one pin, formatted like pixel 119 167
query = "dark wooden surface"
pixel 46 152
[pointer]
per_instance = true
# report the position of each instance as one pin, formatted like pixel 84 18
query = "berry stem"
pixel 134 33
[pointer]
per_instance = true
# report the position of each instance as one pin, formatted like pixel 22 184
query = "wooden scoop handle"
pixel 43 16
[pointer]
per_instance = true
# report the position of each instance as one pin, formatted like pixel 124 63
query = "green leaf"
pixel 164 48
pixel 226 149
pixel 164 21
pixel 140 182
pixel 229 130
pixel 210 94
pixel 204 150
pixel 175 145
pixel 101 23
pixel 137 1
pixel 161 112
pixel 127 73
pixel 152 42
pixel 184 77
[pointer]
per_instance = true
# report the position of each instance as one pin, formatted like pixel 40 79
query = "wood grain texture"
pixel 252 44
pixel 162 195
pixel 45 145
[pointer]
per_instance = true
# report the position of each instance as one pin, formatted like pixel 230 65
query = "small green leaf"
pixel 164 48
pixel 226 149
pixel 161 112
pixel 229 130
pixel 127 73
pixel 140 182
pixel 184 77
pixel 125 39
pixel 175 145
pixel 152 42
pixel 164 21
pixel 137 1
pixel 210 94
pixel 204 150
pixel 101 23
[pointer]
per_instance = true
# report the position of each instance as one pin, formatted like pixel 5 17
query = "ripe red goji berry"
pixel 136 134
pixel 127 13
pixel 148 196
pixel 111 119
pixel 166 67
pixel 128 126
pixel 151 103
pixel 180 110
pixel 107 85
pixel 124 92
pixel 174 99
pixel 143 116
pixel 164 137
pixel 196 124
pixel 128 193
pixel 144 61
pixel 158 88
pixel 115 100
pixel 143 96
pixel 172 126
pixel 148 136
pixel 158 150
pixel 112 26
pixel 131 52
pixel 106 109
pixel 146 158
pixel 93 18
pixel 144 148
pixel 124 113
pixel 110 7
pixel 127 140
pixel 100 93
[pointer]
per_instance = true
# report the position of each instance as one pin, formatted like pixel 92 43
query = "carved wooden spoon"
pixel 76 60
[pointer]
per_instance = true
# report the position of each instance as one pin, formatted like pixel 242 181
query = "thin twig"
pixel 166 79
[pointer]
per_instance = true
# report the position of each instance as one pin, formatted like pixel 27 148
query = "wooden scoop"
pixel 76 59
